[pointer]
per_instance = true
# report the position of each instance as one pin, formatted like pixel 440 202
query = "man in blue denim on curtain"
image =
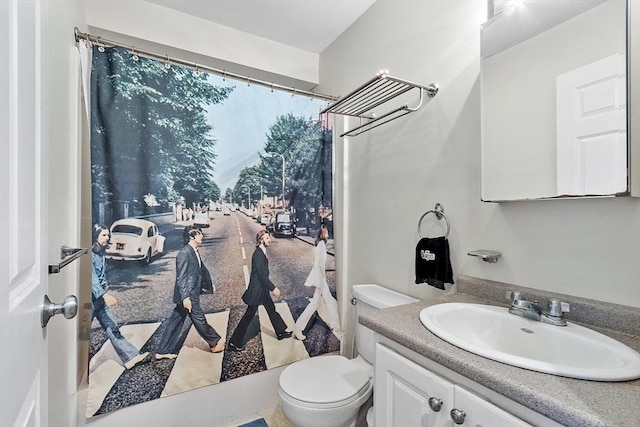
pixel 102 301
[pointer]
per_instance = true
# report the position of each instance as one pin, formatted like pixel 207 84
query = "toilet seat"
pixel 324 382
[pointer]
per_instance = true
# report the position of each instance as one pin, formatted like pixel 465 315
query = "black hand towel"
pixel 433 265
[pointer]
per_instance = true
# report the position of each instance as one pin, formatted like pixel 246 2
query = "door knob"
pixel 69 308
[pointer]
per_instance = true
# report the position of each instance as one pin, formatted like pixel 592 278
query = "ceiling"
pixel 310 25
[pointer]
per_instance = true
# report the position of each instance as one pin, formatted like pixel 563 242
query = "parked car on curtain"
pixel 270 223
pixel 134 239
pixel 284 224
pixel 264 219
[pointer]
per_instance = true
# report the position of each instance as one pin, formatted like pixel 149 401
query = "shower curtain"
pixel 173 147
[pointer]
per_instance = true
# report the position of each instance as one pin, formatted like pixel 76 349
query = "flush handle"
pixel 69 308
pixel 435 404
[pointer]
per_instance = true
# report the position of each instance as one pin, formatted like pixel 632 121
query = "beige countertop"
pixel 570 402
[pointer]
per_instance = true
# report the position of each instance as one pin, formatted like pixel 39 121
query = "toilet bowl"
pixel 329 390
pixel 324 391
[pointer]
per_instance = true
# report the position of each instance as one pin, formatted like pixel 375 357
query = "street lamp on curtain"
pixel 248 191
pixel 261 204
pixel 284 205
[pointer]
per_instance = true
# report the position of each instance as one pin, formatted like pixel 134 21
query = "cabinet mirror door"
pixel 554 99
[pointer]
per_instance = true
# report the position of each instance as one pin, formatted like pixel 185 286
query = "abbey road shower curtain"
pixel 173 147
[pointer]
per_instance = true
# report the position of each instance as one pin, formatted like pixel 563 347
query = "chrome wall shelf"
pixel 486 255
pixel 375 93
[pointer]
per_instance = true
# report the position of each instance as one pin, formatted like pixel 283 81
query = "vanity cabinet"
pixel 408 395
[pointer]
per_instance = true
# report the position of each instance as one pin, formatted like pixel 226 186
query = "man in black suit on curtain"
pixel 192 279
pixel 257 293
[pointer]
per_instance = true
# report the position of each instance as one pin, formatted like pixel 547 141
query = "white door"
pixel 592 128
pixel 23 267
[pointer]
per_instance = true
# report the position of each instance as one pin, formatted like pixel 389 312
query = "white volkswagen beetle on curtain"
pixel 135 239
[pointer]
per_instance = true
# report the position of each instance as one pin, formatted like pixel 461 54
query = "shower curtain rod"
pixel 198 67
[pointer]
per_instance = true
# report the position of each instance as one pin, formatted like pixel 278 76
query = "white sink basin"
pixel 570 351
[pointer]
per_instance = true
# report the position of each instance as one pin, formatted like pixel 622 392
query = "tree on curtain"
pixel 149 131
pixel 307 150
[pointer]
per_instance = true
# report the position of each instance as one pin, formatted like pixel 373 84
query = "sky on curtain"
pixel 238 144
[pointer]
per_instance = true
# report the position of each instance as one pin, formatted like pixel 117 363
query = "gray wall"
pixel 393 174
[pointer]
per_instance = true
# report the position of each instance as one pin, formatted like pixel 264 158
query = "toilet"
pixel 329 390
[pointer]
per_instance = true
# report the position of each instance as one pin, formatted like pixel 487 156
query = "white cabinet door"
pixel 402 392
pixel 480 413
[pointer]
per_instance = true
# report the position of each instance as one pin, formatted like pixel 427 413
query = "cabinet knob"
pixel 457 415
pixel 435 404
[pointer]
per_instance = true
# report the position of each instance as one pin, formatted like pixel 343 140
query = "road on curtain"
pixel 145 292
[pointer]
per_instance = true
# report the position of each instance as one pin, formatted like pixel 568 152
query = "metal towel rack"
pixel 438 211
pixel 67 255
pixel 374 93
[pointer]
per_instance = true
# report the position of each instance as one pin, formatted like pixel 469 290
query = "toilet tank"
pixel 369 297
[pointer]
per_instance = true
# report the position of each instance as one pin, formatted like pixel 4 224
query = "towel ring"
pixel 438 211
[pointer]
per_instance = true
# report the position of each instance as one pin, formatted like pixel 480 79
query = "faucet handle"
pixel 514 296
pixel 557 308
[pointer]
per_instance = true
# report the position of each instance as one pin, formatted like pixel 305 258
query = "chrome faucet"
pixel 523 308
pixel 553 315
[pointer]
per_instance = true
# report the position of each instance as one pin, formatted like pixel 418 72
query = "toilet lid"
pixel 323 379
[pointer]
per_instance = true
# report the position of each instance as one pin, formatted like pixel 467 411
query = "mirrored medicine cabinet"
pixel 559 112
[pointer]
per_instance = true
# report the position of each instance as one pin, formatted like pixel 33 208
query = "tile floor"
pixel 275 419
